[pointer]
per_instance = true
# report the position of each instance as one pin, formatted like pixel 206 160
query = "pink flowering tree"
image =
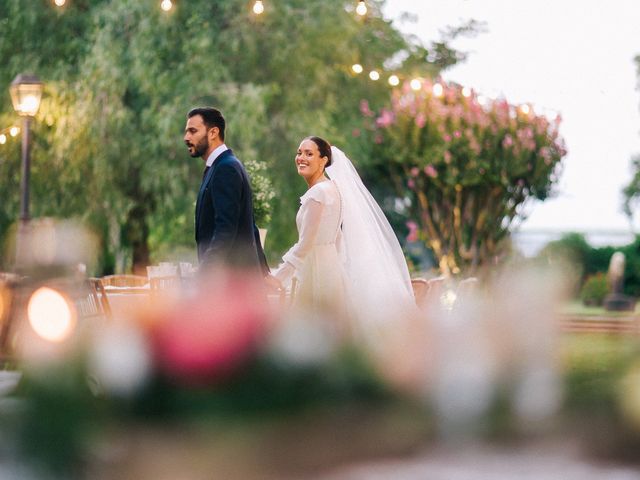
pixel 463 166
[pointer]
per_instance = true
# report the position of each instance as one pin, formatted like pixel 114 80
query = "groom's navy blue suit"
pixel 225 229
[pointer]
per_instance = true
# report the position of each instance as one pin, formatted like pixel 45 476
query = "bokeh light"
pixel 166 5
pixel 50 314
pixel 394 80
pixel 361 9
pixel 374 75
pixel 13 131
pixel 357 68
pixel 416 84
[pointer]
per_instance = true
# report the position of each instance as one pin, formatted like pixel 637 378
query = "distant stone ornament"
pixel 617 300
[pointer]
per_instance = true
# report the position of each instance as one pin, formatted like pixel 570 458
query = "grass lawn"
pixel 594 365
pixel 597 352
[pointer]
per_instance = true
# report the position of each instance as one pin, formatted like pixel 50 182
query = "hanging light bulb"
pixel 438 90
pixel 394 81
pixel 357 68
pixel 60 3
pixel 13 131
pixel 374 75
pixel 166 5
pixel 416 84
pixel 258 7
pixel 526 109
pixel 361 9
pixel 3 139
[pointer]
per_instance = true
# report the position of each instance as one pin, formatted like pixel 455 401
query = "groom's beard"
pixel 200 148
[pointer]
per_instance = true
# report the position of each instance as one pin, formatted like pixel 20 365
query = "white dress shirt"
pixel 215 154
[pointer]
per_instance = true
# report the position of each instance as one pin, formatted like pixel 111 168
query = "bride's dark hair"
pixel 324 147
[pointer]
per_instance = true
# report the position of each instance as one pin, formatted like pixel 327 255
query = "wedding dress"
pixel 347 255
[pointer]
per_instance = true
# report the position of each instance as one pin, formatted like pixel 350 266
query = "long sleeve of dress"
pixel 311 215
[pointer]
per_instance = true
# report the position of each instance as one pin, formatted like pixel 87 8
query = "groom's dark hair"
pixel 324 147
pixel 212 117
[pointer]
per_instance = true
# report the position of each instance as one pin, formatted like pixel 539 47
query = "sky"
pixel 575 58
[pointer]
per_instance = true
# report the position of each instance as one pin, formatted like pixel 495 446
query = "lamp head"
pixel 26 93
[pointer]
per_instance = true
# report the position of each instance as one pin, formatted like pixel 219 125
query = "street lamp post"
pixel 26 92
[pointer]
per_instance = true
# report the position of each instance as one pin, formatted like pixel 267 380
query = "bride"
pixel 347 259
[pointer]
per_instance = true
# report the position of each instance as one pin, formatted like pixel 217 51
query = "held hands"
pixel 273 283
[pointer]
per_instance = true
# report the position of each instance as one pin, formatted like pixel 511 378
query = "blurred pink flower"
pixel 430 171
pixel 507 141
pixel 355 132
pixel 447 138
pixel 205 338
pixel 364 108
pixel 457 134
pixel 385 119
pixel 447 156
pixel 421 120
pixel 411 183
pixel 415 171
pixel 412 236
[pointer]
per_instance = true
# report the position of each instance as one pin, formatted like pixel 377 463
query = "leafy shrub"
pixel 595 289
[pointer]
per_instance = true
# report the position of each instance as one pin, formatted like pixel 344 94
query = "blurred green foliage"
pixel 574 252
pixel 595 288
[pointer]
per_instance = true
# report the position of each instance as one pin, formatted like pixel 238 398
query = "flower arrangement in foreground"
pixel 220 379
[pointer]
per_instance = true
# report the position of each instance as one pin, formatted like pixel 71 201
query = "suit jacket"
pixel 225 228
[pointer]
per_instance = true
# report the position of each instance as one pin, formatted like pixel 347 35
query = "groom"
pixel 225 229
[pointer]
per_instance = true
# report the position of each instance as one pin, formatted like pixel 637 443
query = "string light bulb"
pixel 13 131
pixel 166 5
pixel 374 75
pixel 525 109
pixel 361 9
pixel 416 84
pixel 60 3
pixel 438 90
pixel 258 7
pixel 394 81
pixel 466 92
pixel 3 139
pixel 357 68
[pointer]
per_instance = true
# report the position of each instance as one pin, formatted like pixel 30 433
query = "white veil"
pixel 379 286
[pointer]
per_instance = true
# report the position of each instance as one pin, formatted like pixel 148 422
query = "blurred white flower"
pixel 303 338
pixel 120 358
